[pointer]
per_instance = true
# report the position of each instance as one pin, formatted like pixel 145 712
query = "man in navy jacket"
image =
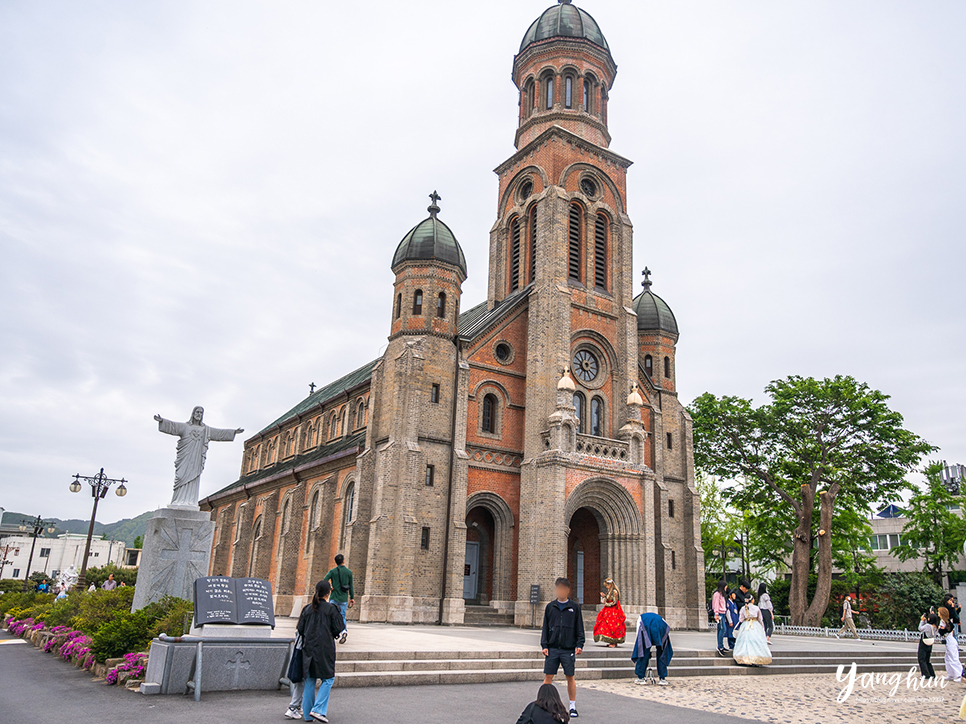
pixel 562 639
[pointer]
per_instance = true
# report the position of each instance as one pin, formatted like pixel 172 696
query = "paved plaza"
pixel 30 677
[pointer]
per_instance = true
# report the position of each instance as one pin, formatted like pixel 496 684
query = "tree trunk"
pixel 801 551
pixel 823 587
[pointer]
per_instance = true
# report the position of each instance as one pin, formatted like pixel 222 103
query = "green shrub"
pixel 123 634
pixel 11 585
pixel 61 612
pixel 175 617
pixel 15 599
pixel 98 608
pixel 97 576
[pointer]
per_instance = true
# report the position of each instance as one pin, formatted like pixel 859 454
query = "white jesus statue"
pixel 192 449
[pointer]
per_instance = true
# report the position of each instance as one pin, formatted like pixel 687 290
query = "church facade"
pixel 534 435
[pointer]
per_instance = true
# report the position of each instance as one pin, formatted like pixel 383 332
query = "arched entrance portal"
pixel 584 565
pixel 605 539
pixel 489 549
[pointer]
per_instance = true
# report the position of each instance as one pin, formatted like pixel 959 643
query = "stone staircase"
pixel 486 616
pixel 399 668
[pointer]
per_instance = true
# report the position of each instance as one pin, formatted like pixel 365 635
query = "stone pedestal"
pixel 232 631
pixel 177 550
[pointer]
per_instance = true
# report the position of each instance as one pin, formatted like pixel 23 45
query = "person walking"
pixel 950 604
pixel 846 618
pixel 43 587
pixel 562 639
pixel 767 611
pixel 296 677
pixel 731 618
pixel 719 607
pixel 652 631
pixel 547 709
pixel 928 627
pixel 947 632
pixel 110 584
pixel 319 625
pixel 611 625
pixel 343 593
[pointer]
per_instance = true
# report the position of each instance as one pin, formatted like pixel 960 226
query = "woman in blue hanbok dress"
pixel 751 645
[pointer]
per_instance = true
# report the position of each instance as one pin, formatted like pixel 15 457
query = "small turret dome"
pixel 563 20
pixel 653 313
pixel 430 240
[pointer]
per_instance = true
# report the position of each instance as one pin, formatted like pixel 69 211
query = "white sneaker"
pixel 642 682
pixel 293 713
pixel 662 682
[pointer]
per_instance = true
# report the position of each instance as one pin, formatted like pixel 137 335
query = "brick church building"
pixel 536 434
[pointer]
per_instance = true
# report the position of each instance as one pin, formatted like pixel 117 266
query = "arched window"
pixel 533 245
pixel 441 305
pixel 360 414
pixel 315 432
pixel 548 91
pixel 529 99
pixel 649 365
pixel 286 518
pixel 314 511
pixel 256 544
pixel 418 302
pixel 348 511
pixel 580 410
pixel 333 426
pixel 575 255
pixel 597 417
pixel 588 89
pixel 489 413
pixel 667 367
pixel 398 306
pixel 514 254
pixel 600 252
pixel 569 91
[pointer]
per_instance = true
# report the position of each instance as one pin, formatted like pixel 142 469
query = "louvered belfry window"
pixel 575 242
pixel 515 254
pixel 600 252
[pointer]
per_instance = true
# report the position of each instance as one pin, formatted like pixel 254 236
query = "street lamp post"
pixel 100 484
pixel 36 527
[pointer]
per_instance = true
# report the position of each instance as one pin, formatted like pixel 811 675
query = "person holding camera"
pixel 343 594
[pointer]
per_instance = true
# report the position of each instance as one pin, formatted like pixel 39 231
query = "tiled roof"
pixel 320 453
pixel 324 394
pixel 482 319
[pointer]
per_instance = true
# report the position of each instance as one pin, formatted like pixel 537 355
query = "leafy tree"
pixel 817 443
pixel 97 576
pixel 933 532
pixel 138 542
pixel 719 525
pixel 850 549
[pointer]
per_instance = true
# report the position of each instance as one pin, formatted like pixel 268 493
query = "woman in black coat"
pixel 320 625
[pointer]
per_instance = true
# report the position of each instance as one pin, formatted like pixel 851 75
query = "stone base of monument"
pixel 177 550
pixel 203 664
pixel 232 631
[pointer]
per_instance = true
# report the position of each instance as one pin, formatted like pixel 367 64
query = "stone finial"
pixel 566 382
pixel 634 399
pixel 647 279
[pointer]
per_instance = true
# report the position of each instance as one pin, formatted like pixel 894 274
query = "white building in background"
pixel 53 555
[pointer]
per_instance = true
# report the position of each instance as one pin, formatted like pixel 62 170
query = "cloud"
pixel 198 205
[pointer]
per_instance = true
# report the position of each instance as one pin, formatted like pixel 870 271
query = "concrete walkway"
pixel 386 637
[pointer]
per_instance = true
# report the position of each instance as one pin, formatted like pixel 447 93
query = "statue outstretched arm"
pixel 218 434
pixel 168 427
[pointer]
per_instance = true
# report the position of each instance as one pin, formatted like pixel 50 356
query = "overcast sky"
pixel 199 203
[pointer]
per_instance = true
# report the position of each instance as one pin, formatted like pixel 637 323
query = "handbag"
pixel 295 670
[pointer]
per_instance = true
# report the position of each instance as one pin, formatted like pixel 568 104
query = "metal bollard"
pixel 198 672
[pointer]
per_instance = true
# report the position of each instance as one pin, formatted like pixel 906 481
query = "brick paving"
pixel 797 699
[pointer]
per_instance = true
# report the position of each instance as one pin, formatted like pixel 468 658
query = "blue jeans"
pixel 722 626
pixel 640 668
pixel 343 607
pixel 312 702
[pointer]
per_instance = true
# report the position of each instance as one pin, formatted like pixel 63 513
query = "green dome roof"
pixel 563 20
pixel 653 313
pixel 430 239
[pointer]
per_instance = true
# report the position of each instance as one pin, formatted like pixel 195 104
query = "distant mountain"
pixel 126 530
